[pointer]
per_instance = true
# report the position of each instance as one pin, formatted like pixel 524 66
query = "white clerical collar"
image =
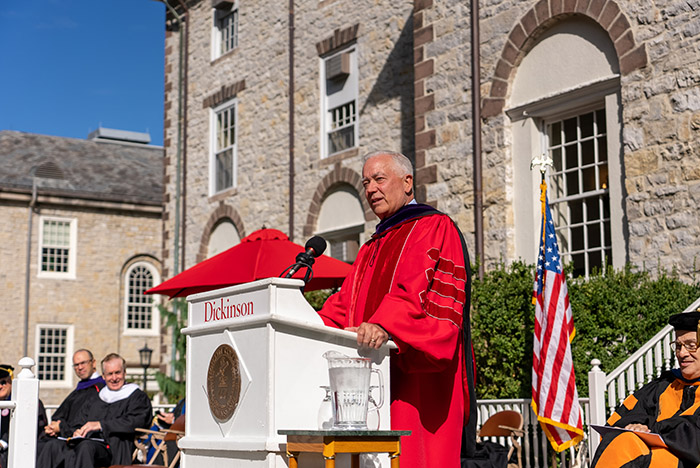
pixel 94 375
pixel 110 396
pixel 412 202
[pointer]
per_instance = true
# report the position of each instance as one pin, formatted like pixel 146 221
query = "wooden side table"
pixel 330 443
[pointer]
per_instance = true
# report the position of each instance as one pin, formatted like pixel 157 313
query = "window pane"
pixel 586 123
pixel 595 261
pixel 555 134
pixel 592 209
pixel 571 183
pixel 556 157
pixel 589 183
pixel 579 261
pixel 51 362
pixel 224 170
pixel 576 182
pixel 593 235
pixel 55 251
pixel 139 305
pixel 571 156
pixel 570 133
pixel 342 126
pixel 588 152
pixel 600 121
pixel 577 242
pixel 576 209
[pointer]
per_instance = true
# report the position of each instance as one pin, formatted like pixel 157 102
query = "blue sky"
pixel 68 67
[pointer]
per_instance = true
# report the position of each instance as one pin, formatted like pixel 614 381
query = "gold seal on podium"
pixel 223 382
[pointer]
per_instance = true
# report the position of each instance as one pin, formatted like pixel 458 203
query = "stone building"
pixel 279 101
pixel 81 237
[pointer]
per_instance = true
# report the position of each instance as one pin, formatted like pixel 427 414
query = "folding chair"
pixel 506 424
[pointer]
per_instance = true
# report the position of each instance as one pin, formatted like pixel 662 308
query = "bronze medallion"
pixel 223 382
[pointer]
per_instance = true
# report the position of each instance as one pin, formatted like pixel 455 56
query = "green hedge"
pixel 614 313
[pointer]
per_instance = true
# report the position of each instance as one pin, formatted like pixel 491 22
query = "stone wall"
pixel 261 62
pixel 656 47
pixel 415 96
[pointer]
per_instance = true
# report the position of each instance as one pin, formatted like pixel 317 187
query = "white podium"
pixel 255 366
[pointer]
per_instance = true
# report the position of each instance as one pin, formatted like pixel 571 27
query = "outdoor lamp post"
pixel 145 357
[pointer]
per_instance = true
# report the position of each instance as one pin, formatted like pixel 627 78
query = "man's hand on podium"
pixel 370 335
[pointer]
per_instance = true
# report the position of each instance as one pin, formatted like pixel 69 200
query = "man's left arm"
pixel 423 311
pixel 137 413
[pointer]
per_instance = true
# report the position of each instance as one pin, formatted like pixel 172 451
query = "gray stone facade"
pixel 415 96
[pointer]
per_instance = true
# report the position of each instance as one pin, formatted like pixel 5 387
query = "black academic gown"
pixel 668 406
pixel 118 420
pixel 69 412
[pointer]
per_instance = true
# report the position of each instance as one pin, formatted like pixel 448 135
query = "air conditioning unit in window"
pixel 222 4
pixel 338 67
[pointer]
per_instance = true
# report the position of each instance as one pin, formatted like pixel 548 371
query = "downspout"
pixel 185 74
pixel 291 120
pixel 476 140
pixel 32 204
pixel 178 176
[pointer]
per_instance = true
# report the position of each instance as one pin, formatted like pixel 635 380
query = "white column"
pixel 23 423
pixel 596 393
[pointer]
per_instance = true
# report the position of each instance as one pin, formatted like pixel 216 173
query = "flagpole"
pixel 554 394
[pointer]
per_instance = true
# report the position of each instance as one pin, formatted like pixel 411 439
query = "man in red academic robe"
pixel 411 283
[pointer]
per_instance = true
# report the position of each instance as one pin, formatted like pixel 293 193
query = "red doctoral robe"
pixel 410 278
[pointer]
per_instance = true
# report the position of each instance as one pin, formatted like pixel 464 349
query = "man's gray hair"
pixel 401 162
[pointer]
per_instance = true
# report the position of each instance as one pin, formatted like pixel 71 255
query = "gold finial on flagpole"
pixel 543 161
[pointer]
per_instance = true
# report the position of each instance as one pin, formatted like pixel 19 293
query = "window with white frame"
pixel 225 31
pixel 57 247
pixel 339 102
pixel 223 148
pixel 579 194
pixel 54 348
pixel 141 313
pixel 567 106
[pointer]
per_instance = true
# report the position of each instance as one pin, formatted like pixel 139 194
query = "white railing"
pixel 24 409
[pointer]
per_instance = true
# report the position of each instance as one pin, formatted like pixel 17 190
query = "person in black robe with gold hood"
pixel 668 406
pixel 105 434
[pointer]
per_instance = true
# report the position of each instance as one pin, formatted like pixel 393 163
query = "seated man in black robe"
pixel 668 406
pixel 85 394
pixel 104 434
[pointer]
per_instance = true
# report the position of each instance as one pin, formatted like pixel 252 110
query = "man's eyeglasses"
pixel 691 346
pixel 5 381
pixel 81 363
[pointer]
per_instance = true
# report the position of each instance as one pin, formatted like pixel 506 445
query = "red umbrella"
pixel 263 254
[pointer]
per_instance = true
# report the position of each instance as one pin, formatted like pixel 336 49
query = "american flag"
pixel 554 395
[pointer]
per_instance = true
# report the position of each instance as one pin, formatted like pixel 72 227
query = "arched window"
pixel 565 104
pixel 341 222
pixel 141 313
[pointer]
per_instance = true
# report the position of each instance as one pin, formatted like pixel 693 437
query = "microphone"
pixel 314 248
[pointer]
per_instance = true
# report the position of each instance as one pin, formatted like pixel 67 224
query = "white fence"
pixel 23 415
